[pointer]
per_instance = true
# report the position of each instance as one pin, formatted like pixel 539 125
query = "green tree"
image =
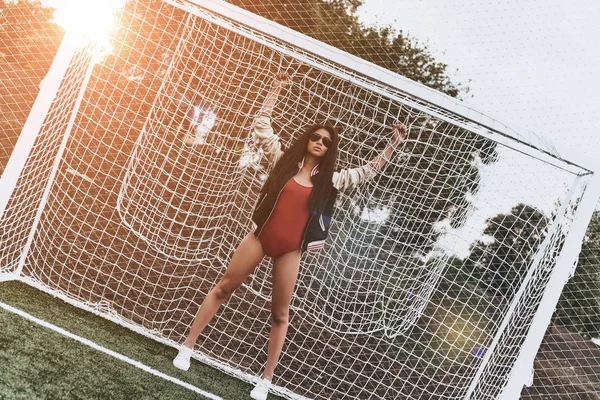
pixel 498 263
pixel 579 306
pixel 336 23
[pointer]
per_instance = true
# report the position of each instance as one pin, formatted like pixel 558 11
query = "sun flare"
pixel 90 20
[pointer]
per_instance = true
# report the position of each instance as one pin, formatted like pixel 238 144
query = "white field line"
pixel 109 352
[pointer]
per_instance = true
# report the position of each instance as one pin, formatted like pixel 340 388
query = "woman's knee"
pixel 280 317
pixel 223 291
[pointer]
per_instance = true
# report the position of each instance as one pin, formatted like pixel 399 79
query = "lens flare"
pixel 90 20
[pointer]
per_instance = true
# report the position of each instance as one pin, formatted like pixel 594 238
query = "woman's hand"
pixel 281 80
pixel 399 133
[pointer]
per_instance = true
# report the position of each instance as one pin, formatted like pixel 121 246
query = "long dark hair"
pixel 287 165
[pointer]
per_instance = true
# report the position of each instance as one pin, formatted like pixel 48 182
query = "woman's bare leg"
pixel 285 273
pixel 245 258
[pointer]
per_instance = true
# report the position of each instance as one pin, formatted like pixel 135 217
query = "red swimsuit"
pixel 282 233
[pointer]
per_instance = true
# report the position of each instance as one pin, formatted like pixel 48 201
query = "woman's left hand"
pixel 399 133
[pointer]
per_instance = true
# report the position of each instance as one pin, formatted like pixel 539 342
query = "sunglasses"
pixel 314 137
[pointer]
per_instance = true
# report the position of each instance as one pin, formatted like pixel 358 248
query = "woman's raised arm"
pixel 352 177
pixel 263 131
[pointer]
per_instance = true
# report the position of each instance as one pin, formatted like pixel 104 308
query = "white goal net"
pixel 144 171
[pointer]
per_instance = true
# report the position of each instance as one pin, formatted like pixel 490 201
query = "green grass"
pixel 38 363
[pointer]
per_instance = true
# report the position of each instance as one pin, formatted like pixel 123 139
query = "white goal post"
pixel 135 176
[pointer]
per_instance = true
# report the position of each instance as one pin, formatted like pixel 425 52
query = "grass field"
pixel 38 363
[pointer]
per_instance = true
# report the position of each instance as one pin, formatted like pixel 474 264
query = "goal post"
pixel 136 175
pixel 52 109
pixel 33 125
pixel 523 371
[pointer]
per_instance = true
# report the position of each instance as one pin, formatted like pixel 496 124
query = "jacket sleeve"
pixel 266 138
pixel 353 177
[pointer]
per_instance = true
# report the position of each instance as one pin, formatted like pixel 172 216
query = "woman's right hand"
pixel 281 80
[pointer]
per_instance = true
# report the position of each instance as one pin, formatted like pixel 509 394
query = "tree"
pixel 336 23
pixel 28 42
pixel 498 263
pixel 579 306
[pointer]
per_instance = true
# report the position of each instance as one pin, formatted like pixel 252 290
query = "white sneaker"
pixel 182 361
pixel 261 390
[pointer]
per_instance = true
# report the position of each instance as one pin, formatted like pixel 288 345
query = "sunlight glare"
pixel 91 20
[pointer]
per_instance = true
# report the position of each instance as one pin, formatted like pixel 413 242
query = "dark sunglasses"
pixel 314 137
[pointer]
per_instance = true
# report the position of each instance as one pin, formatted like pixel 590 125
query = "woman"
pixel 292 215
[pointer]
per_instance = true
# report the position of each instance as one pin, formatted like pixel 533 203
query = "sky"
pixel 530 64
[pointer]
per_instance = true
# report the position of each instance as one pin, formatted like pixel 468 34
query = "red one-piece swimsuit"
pixel 283 230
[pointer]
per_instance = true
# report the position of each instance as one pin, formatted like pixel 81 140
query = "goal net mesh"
pixel 143 178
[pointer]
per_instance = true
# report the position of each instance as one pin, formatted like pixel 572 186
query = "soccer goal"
pixel 135 177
